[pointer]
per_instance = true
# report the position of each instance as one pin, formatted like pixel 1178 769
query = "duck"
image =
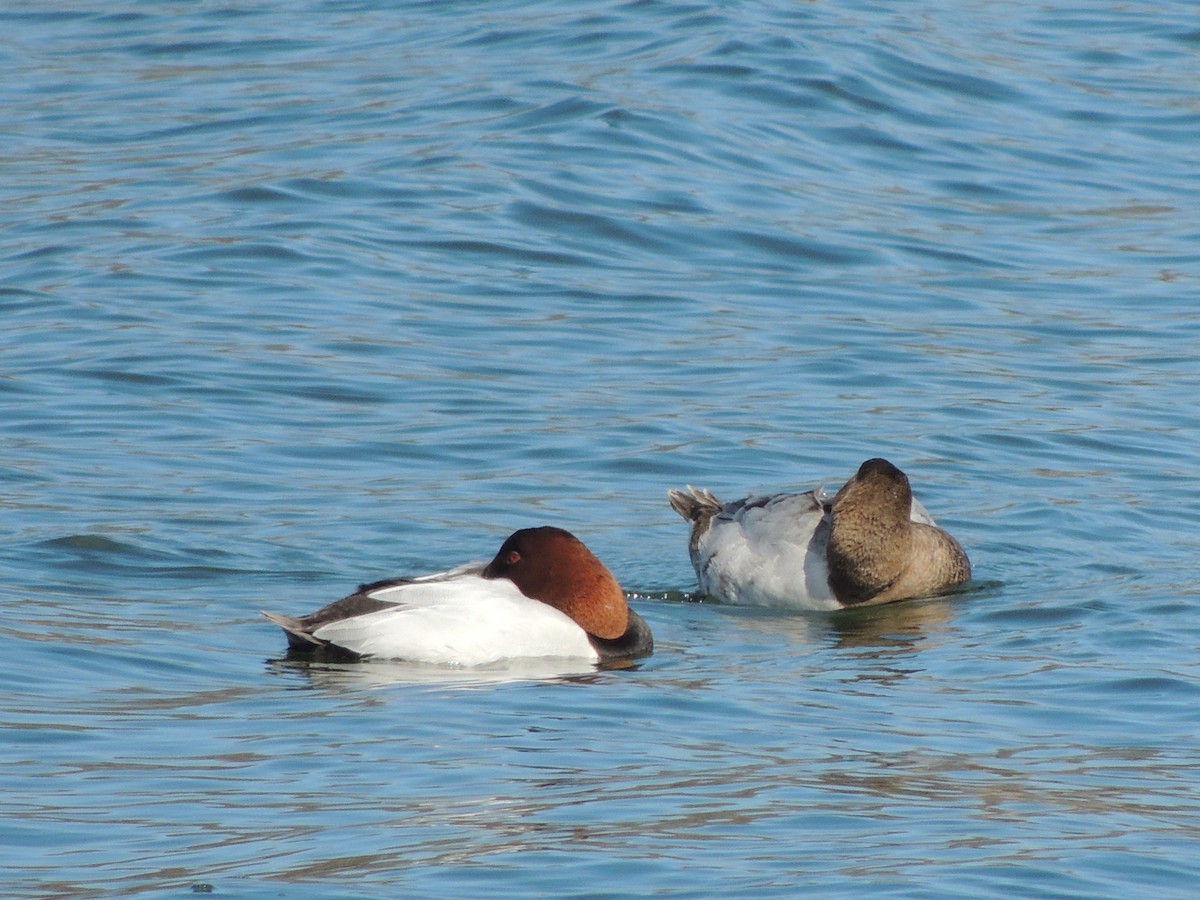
pixel 544 594
pixel 871 543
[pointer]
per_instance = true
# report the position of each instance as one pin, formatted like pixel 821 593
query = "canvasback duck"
pixel 543 595
pixel 872 543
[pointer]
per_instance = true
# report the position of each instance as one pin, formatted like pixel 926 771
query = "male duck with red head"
pixel 543 595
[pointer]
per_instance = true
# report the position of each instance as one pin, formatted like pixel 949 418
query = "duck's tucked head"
pixel 878 488
pixel 876 552
pixel 870 541
pixel 553 566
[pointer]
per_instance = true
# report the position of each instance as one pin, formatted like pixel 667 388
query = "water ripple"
pixel 291 304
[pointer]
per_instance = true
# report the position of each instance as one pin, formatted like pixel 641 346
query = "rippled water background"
pixel 296 298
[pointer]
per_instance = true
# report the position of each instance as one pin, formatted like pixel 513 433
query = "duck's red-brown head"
pixel 553 566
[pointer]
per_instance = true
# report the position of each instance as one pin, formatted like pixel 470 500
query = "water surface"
pixel 294 300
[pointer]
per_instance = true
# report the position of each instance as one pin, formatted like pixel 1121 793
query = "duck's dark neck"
pixel 635 643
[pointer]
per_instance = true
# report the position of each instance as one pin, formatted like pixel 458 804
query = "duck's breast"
pixel 464 621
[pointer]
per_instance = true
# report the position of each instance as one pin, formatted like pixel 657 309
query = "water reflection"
pixel 334 675
pixel 897 627
pixel 893 628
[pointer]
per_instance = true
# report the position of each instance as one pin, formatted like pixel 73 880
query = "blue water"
pixel 296 298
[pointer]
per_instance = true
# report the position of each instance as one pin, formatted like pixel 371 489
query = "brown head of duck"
pixel 876 553
pixel 553 566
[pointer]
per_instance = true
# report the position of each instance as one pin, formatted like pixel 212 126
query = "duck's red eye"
pixel 513 558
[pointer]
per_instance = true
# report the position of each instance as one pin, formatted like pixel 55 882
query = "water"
pixel 296 299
